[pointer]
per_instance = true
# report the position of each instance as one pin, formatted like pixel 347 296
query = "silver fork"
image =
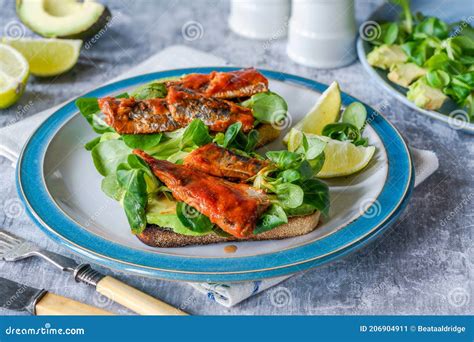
pixel 14 248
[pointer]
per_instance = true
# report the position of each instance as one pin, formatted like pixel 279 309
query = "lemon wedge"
pixel 13 75
pixel 47 57
pixel 342 158
pixel 326 110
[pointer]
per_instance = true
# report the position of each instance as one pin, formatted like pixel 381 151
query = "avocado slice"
pixel 162 212
pixel 424 96
pixel 385 56
pixel 70 19
pixel 404 74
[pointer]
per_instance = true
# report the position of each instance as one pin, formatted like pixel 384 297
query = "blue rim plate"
pixel 357 233
pixel 452 11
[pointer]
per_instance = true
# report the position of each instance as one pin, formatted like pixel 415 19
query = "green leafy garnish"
pixel 142 141
pixel 107 155
pixel 273 217
pixel 193 219
pixel 444 52
pixel 267 107
pixel 135 196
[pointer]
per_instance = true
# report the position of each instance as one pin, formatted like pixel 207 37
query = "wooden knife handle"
pixel 134 299
pixel 52 304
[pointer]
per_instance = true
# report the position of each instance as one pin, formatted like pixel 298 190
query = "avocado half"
pixel 70 19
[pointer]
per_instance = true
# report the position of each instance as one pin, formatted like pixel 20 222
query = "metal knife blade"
pixel 19 297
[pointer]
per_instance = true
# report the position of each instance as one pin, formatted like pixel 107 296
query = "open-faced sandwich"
pixel 180 157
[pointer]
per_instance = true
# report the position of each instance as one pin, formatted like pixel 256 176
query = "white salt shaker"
pixel 260 19
pixel 322 33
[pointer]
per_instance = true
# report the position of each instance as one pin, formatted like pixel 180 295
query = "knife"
pixel 20 297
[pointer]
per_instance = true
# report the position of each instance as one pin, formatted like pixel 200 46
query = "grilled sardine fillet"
pixel 129 116
pixel 178 109
pixel 235 208
pixel 187 105
pixel 221 162
pixel 225 85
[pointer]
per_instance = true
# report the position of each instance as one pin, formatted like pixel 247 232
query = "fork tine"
pixel 6 245
pixel 4 248
pixel 8 241
pixel 9 237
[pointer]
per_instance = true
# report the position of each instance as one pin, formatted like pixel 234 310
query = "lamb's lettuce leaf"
pixel 275 216
pixel 193 219
pixel 267 107
pixel 108 154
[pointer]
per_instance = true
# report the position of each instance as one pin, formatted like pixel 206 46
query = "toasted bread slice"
pixel 156 236
pixel 266 134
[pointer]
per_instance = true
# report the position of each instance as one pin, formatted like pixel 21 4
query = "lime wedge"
pixel 13 75
pixel 48 57
pixel 344 158
pixel 326 110
pixel 295 138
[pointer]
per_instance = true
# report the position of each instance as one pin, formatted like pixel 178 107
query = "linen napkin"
pixel 13 137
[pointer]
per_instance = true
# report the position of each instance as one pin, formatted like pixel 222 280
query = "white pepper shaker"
pixel 260 19
pixel 322 33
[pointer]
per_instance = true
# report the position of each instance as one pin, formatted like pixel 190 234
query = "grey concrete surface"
pixel 422 265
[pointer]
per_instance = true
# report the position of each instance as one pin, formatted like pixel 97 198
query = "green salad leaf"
pixel 135 196
pixel 273 217
pixel 289 195
pixel 90 110
pixel 193 219
pixel 267 107
pixel 111 187
pixel 142 141
pixel 445 51
pixel 355 114
pixel 316 197
pixel 108 154
pixel 235 138
pixel 174 146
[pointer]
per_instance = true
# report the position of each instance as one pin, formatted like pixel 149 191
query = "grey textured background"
pixel 422 265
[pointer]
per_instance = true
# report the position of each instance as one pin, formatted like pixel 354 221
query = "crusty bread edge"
pixel 164 238
pixel 266 134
